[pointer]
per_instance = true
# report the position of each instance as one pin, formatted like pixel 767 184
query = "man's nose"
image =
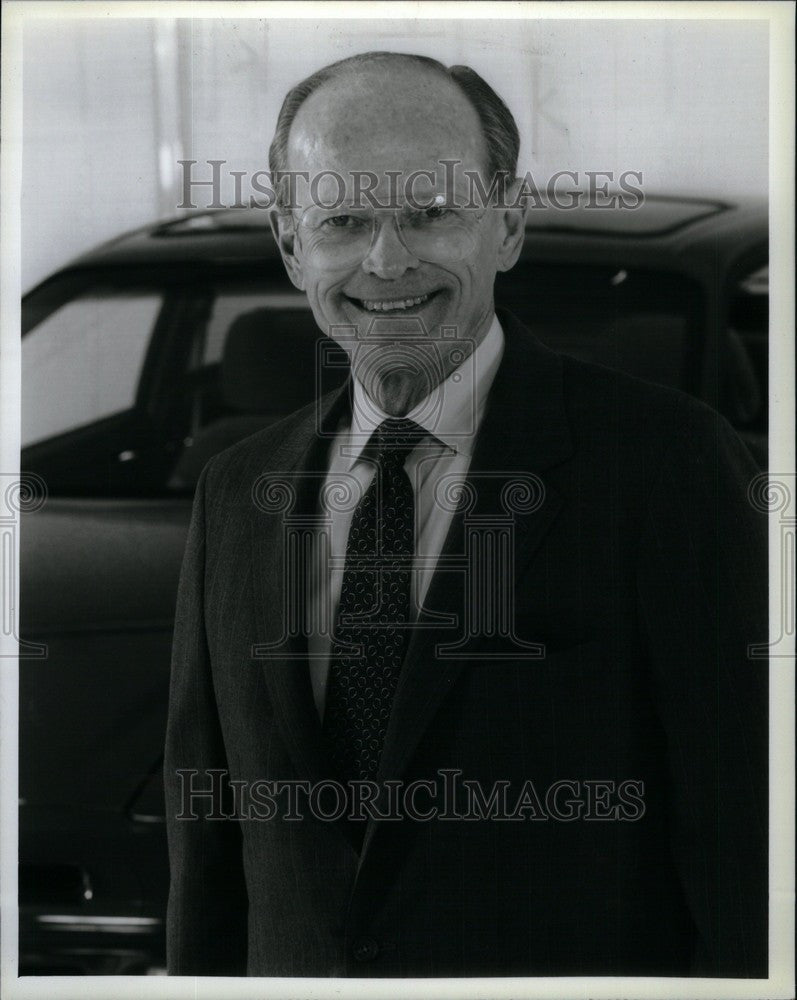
pixel 387 256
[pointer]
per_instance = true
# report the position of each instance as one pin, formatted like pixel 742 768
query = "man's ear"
pixel 513 227
pixel 283 228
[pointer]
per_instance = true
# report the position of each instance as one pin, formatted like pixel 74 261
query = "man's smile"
pixel 394 304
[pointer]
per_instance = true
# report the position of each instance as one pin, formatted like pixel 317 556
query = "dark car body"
pixel 192 339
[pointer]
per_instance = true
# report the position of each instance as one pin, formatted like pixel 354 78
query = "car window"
pixel 230 305
pixel 258 357
pixel 83 362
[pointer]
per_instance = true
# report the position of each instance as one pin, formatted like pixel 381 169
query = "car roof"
pixel 660 225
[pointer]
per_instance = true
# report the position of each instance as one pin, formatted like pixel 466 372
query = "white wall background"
pixel 110 106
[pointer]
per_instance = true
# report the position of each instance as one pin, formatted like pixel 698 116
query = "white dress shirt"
pixel 451 414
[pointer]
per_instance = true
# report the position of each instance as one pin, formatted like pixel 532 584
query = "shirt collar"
pixel 451 412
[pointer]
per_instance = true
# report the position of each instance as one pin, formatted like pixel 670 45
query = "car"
pixel 144 358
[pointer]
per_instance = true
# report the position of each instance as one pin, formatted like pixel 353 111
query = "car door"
pixel 98 573
pixel 127 381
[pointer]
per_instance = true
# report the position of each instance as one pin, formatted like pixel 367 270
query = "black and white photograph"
pixel 397 500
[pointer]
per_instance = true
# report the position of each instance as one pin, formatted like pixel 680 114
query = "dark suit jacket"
pixel 641 567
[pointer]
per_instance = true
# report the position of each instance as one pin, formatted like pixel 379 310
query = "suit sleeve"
pixel 206 927
pixel 703 594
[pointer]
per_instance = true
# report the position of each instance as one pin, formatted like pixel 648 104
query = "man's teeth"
pixel 373 306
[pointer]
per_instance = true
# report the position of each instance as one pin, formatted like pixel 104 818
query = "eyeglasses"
pixel 342 237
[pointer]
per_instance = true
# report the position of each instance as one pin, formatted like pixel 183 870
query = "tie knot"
pixel 396 437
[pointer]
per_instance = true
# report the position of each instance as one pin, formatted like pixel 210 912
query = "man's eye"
pixel 339 221
pixel 436 212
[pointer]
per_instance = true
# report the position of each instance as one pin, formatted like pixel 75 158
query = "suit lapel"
pixel 286 497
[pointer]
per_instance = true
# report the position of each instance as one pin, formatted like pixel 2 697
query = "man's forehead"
pixel 391 120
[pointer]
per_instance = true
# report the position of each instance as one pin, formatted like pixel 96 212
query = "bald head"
pixel 373 82
pixel 386 117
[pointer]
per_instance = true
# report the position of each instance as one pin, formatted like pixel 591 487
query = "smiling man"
pixel 418 270
pixel 460 682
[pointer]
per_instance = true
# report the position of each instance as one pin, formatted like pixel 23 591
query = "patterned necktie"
pixel 374 612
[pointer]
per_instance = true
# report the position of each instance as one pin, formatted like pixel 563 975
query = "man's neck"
pixel 399 391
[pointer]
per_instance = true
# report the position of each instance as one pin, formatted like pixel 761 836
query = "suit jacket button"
pixel 365 949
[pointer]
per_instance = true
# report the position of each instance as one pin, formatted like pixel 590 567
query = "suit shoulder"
pixel 248 457
pixel 654 413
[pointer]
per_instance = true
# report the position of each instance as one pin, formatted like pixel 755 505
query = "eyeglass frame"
pixel 480 214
